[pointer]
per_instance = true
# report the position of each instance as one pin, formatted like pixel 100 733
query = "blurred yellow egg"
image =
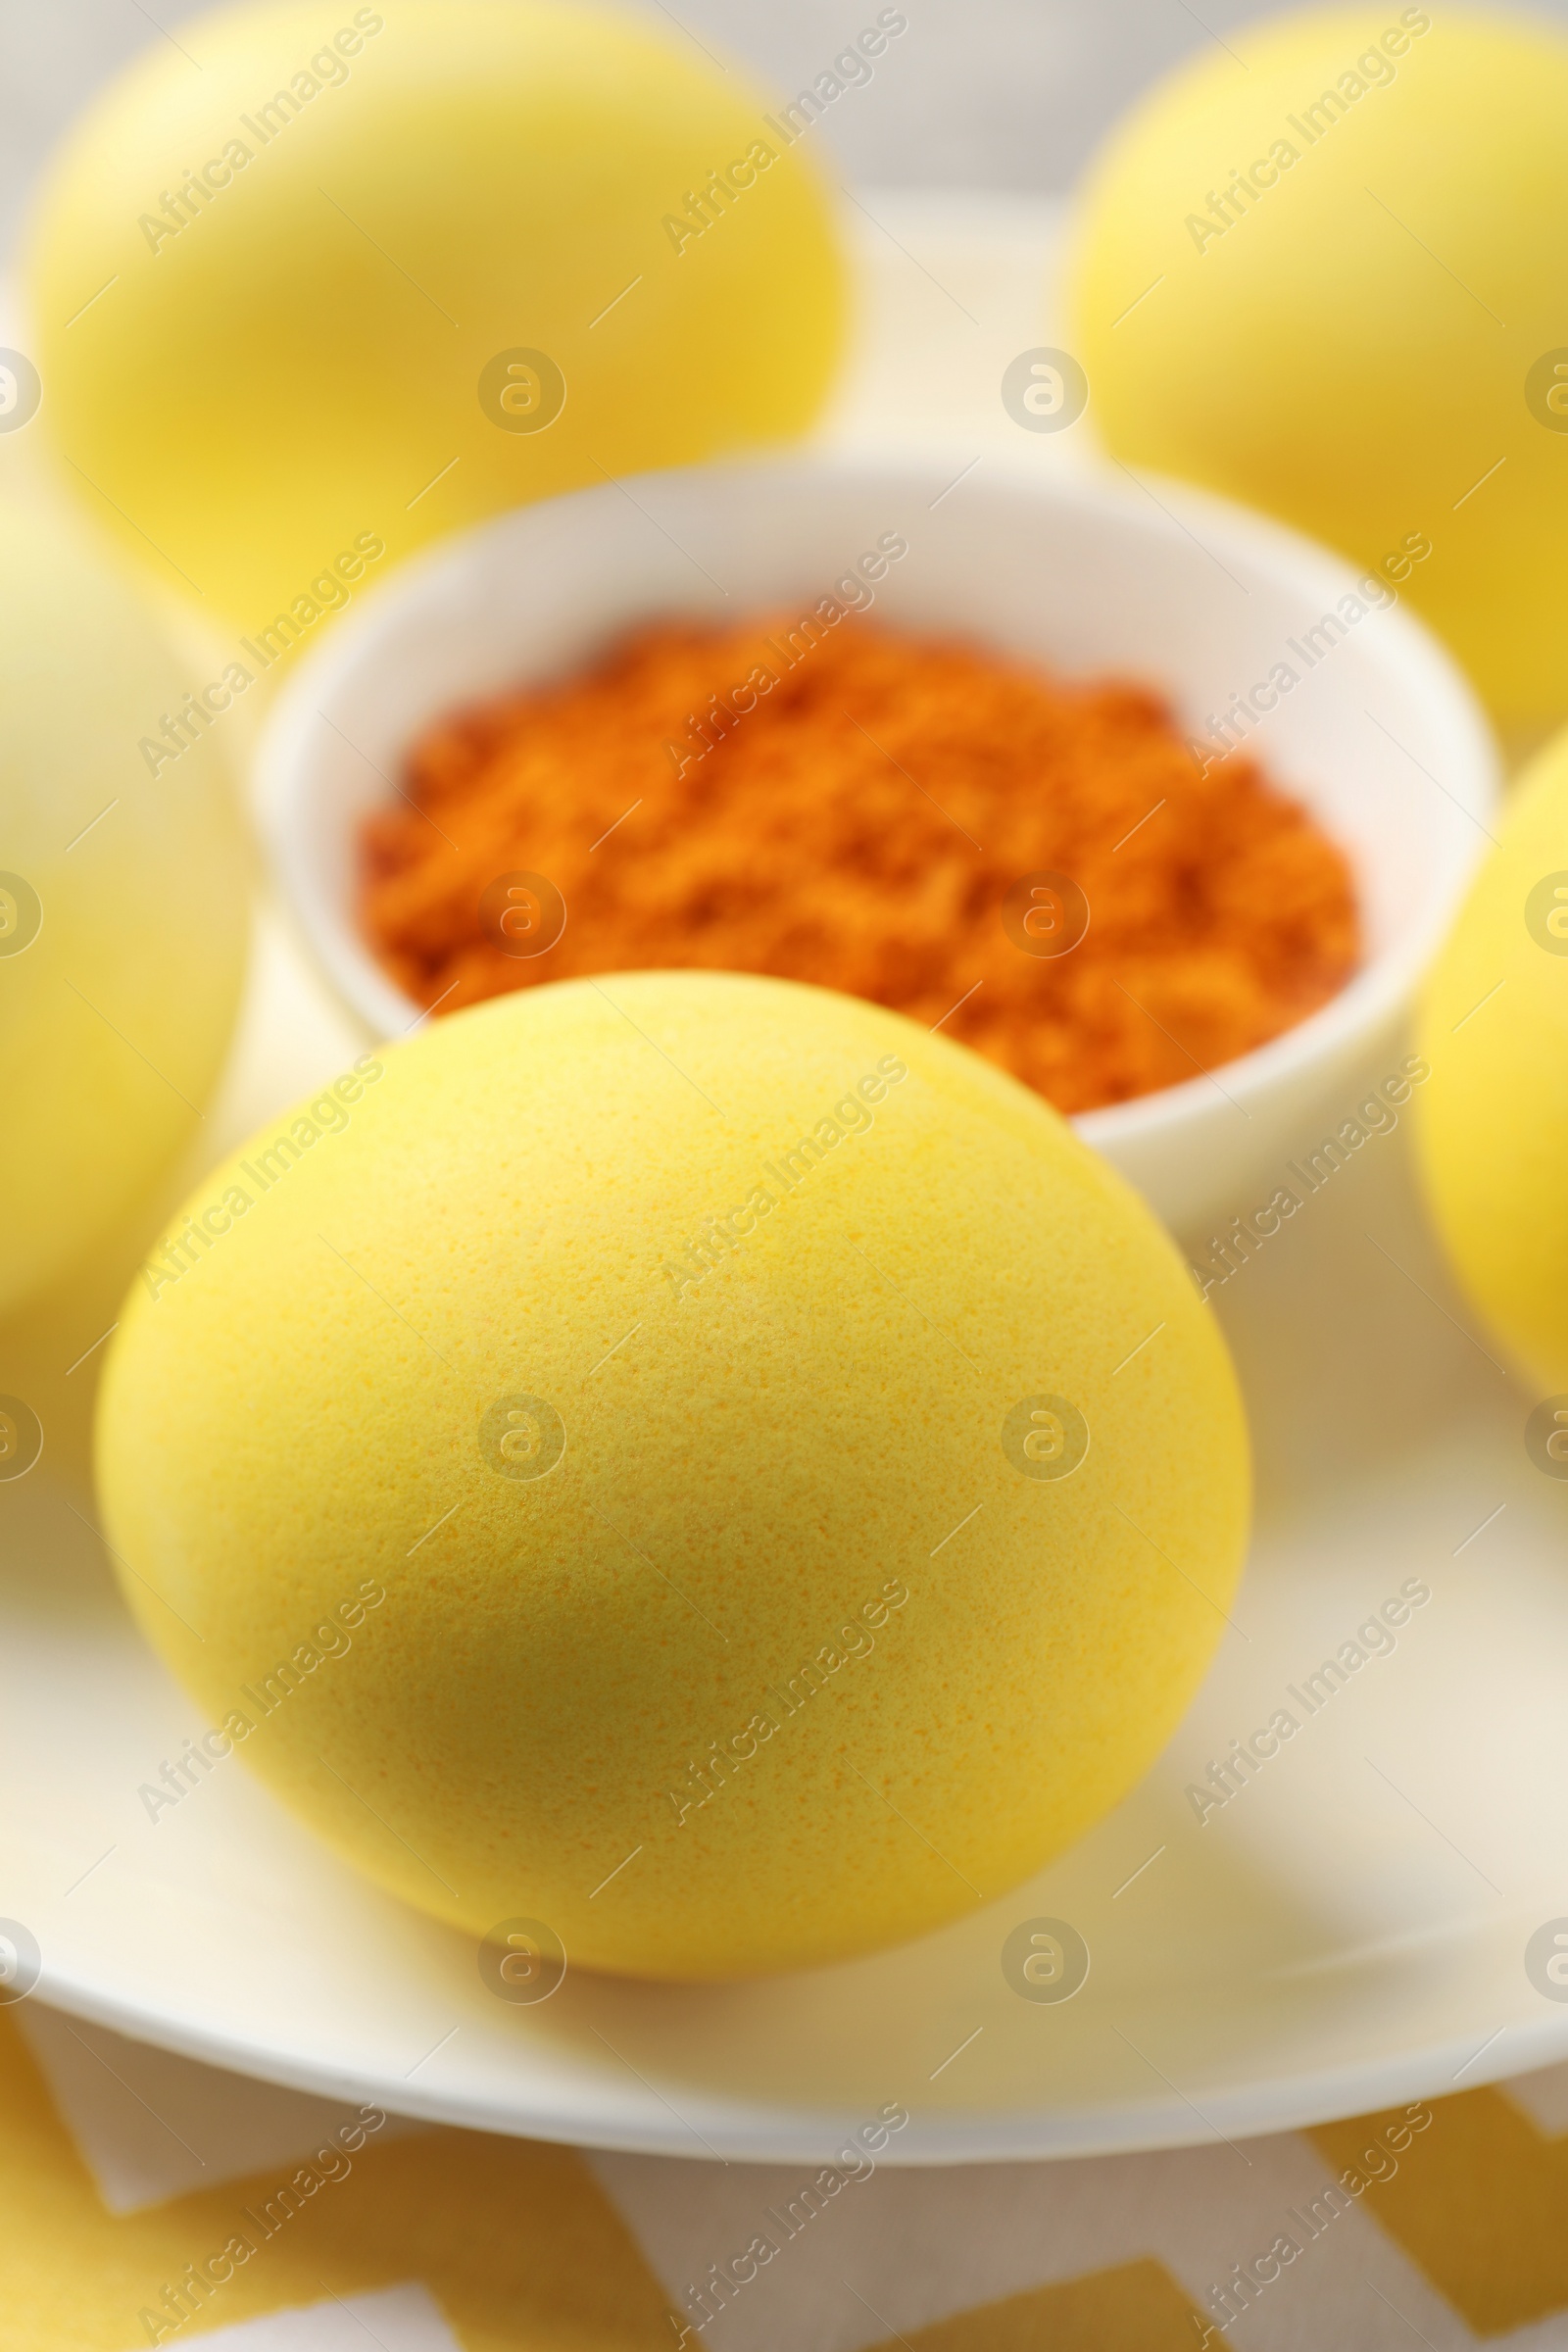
pixel 123 897
pixel 1320 268
pixel 373 275
pixel 1492 1121
pixel 691 1455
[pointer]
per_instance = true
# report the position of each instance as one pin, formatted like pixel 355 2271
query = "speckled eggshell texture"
pixel 686 1418
pixel 1491 1124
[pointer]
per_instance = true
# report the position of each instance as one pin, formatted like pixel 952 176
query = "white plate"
pixel 1349 1932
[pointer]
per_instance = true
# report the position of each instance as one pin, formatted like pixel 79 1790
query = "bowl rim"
pixel 1373 997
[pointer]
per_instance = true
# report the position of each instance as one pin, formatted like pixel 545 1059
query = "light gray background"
pixel 982 93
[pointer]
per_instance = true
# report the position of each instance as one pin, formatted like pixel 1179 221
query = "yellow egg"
pixel 332 279
pixel 1320 268
pixel 1493 1119
pixel 122 897
pixel 683 1460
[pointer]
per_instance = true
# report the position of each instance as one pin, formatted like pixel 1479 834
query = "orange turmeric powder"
pixel 857 816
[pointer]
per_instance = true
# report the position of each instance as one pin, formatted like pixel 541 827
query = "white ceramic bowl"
pixel 1380 738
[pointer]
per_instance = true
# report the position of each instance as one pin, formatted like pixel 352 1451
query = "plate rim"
pixel 1294 2101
